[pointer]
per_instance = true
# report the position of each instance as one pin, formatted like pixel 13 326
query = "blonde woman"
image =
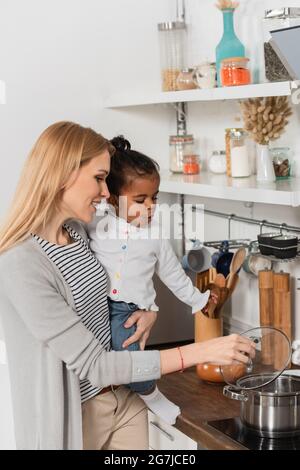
pixel 65 379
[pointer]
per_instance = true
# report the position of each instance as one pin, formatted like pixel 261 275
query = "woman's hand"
pixel 227 350
pixel 144 321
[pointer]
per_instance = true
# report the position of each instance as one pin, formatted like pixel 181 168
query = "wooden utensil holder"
pixel 205 329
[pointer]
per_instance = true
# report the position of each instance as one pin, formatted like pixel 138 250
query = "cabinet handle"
pixel 165 433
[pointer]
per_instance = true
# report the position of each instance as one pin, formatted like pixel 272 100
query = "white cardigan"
pixel 49 350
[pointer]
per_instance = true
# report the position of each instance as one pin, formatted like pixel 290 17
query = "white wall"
pixel 61 59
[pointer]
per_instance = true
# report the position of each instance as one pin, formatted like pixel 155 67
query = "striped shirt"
pixel 87 280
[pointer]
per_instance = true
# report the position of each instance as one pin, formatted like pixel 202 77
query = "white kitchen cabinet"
pixel 163 436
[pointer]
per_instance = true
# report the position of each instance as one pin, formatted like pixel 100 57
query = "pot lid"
pixel 272 356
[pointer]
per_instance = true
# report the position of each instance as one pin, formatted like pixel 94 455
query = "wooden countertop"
pixel 200 402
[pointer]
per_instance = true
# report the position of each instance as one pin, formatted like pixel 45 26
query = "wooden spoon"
pixel 220 280
pixel 236 263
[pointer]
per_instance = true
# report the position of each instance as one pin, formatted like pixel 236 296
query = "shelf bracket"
pixel 181 115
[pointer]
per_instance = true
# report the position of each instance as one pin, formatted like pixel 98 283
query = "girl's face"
pixel 85 188
pixel 137 201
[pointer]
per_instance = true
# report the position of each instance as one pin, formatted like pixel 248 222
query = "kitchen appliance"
pixel 279 23
pixel 235 430
pixel 270 401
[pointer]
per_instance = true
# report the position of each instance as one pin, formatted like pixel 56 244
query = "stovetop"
pixel 234 429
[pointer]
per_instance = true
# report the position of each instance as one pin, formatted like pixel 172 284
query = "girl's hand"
pixel 213 298
pixel 144 321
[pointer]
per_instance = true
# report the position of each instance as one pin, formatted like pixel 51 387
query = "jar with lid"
pixel 281 162
pixel 217 162
pixel 228 147
pixel 180 146
pixel 186 79
pixel 239 154
pixel 172 38
pixel 235 71
pixel 274 20
pixel 206 75
pixel 191 165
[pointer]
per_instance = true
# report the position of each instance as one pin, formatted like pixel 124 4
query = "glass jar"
pixel 186 80
pixel 281 162
pixel 180 146
pixel 277 19
pixel 206 75
pixel 191 164
pixel 172 38
pixel 228 132
pixel 239 154
pixel 217 162
pixel 235 71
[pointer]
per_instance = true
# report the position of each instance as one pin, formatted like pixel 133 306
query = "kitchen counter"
pixel 200 402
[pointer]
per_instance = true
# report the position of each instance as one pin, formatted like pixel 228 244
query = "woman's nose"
pixel 104 191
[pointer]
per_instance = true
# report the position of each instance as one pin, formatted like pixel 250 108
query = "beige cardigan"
pixel 49 350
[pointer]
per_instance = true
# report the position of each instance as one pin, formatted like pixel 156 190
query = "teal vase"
pixel 230 45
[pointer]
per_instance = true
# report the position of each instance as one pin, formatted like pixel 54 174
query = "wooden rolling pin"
pixel 266 307
pixel 282 315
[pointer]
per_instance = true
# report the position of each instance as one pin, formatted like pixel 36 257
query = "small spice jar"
pixel 191 165
pixel 281 162
pixel 186 80
pixel 217 162
pixel 206 75
pixel 235 71
pixel 180 145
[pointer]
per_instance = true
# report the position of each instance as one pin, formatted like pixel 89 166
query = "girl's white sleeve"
pixel 172 274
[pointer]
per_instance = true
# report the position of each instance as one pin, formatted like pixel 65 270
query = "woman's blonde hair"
pixel 60 149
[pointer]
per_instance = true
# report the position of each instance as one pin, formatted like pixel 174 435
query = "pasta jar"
pixel 235 71
pixel 172 38
pixel 239 154
pixel 180 145
pixel 191 165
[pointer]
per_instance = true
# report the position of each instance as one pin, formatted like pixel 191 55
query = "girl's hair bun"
pixel 121 144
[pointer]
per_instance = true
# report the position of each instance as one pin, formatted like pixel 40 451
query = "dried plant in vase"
pixel 227 5
pixel 265 120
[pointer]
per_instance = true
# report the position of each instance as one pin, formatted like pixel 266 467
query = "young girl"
pixel 127 241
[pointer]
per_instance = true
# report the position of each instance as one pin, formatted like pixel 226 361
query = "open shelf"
pixel 215 94
pixel 209 185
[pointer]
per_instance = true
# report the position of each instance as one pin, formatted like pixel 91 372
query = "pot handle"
pixel 230 392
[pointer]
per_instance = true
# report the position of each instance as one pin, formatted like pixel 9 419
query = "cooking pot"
pixel 270 402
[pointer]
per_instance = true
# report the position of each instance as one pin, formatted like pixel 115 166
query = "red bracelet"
pixel 181 358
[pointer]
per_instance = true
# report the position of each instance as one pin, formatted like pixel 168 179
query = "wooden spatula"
pixel 236 263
